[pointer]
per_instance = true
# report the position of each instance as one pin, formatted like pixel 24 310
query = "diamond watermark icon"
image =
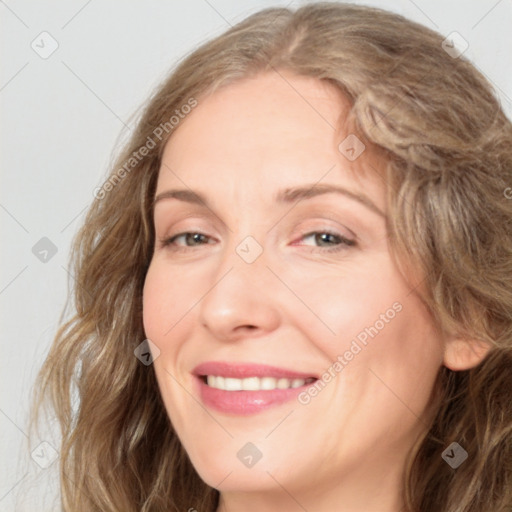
pixel 44 45
pixel 44 455
pixel 249 455
pixel 351 147
pixel 455 45
pixel 44 250
pixel 454 455
pixel 147 352
pixel 249 249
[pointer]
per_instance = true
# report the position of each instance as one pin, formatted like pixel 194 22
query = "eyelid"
pixel 168 240
pixel 322 223
pixel 344 243
pixel 333 232
pixel 307 226
pixel 176 212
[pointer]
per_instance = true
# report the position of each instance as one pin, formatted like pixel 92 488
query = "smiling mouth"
pixel 240 389
pixel 254 383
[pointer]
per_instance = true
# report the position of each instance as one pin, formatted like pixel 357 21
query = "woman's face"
pixel 285 276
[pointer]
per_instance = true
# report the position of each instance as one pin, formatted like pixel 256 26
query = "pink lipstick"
pixel 244 389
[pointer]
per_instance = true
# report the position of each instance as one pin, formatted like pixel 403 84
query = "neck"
pixel 367 490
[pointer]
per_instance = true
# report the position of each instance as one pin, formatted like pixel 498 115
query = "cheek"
pixel 392 361
pixel 368 315
pixel 152 303
pixel 167 296
pixel 345 303
pixel 161 303
pixel 166 325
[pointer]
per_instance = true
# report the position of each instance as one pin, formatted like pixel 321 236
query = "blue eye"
pixel 333 241
pixel 194 237
pixel 324 240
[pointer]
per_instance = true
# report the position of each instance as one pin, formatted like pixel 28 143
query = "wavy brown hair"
pixel 448 151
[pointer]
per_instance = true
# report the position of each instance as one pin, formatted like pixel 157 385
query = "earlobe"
pixel 463 354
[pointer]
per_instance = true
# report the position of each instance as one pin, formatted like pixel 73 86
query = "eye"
pixel 328 240
pixel 191 239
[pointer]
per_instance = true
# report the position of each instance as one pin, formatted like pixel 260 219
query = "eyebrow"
pixel 288 195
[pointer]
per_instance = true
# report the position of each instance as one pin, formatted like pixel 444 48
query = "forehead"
pixel 271 131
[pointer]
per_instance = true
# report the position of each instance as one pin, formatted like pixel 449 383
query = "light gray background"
pixel 62 117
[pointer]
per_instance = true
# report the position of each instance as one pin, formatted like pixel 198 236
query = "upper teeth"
pixel 253 383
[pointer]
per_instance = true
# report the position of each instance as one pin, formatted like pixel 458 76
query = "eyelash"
pixel 344 242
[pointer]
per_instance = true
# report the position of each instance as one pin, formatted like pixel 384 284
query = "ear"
pixel 463 354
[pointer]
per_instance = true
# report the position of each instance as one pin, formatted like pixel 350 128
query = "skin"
pixel 298 306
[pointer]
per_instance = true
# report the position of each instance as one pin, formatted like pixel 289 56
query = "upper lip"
pixel 243 370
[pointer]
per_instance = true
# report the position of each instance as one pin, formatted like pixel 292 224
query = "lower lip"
pixel 243 403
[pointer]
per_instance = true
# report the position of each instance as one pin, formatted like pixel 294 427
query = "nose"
pixel 241 302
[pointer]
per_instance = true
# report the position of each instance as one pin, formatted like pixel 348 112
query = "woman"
pixel 294 290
